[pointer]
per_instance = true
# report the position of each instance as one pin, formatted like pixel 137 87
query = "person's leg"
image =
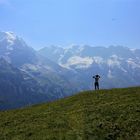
pixel 95 85
pixel 98 86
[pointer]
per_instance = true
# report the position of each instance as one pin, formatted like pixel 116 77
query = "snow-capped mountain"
pixel 55 72
pixel 15 50
pixel 49 75
pixel 118 66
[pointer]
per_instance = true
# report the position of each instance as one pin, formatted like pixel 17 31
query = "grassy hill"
pixel 91 115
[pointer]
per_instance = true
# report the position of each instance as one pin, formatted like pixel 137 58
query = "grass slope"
pixel 102 115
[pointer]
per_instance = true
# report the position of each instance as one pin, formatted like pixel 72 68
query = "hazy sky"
pixel 65 22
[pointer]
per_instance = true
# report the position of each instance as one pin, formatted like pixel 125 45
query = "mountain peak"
pixel 9 41
pixel 9 36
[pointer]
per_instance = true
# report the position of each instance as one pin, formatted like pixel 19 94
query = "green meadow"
pixel 90 115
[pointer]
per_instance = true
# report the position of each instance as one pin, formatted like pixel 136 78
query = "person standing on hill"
pixel 96 83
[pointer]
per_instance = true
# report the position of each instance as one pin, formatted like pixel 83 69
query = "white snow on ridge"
pixel 9 37
pixel 98 60
pixel 85 62
pixel 79 62
pixel 131 62
pixel 114 60
pixel 115 57
pixel 111 62
pixel 133 49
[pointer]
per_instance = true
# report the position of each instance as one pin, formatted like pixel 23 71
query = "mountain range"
pixel 29 76
pixel 118 66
